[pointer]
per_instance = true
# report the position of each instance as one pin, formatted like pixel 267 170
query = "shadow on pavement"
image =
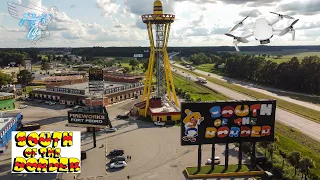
pixel 31 176
pixel 36 103
pixel 114 169
pixel 48 121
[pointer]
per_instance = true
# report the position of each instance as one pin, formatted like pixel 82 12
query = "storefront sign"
pixel 88 118
pixel 95 75
pixel 6 97
pixel 65 90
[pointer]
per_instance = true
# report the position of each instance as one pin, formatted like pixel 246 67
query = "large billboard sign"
pixel 88 119
pixel 138 55
pixel 96 80
pixel 227 122
pixel 95 75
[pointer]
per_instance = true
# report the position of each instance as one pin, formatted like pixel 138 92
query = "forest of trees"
pixel 295 75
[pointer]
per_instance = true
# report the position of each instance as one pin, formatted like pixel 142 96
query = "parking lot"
pixel 156 151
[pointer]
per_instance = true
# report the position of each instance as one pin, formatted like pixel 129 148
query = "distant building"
pixel 75 58
pixel 111 70
pixel 8 122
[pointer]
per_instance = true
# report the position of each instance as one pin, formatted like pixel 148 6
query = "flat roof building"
pixel 8 122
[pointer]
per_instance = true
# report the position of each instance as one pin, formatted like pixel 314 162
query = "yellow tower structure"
pixel 159 56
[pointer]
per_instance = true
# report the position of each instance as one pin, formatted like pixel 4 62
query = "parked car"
pixel 118 158
pixel 122 116
pixel 110 130
pixel 47 102
pixel 119 164
pixel 29 127
pixel 76 107
pixel 52 103
pixel 159 123
pixel 22 106
pixel 116 152
pixel 216 160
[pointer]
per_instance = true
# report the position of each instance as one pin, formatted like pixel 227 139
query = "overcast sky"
pixel 87 23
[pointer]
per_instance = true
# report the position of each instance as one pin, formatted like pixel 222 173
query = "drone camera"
pixel 265 41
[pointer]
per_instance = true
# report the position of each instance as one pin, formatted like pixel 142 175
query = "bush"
pixel 183 94
pixel 178 91
pixel 187 96
pixel 276 171
pixel 199 100
pixel 312 176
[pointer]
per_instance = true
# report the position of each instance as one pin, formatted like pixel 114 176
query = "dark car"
pixel 29 127
pixel 122 116
pixel 118 158
pixel 116 152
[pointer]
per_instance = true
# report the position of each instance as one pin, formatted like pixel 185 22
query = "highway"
pixel 306 126
pixel 262 89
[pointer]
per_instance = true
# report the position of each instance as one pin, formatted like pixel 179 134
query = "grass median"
pixel 288 106
pixel 196 90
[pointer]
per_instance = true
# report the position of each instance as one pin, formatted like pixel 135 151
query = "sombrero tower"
pixel 159 56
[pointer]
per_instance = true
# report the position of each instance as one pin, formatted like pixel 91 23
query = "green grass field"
pixel 217 169
pixel 205 67
pixel 288 106
pixel 196 90
pixel 294 140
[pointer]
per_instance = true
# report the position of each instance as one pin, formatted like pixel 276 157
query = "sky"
pixel 87 23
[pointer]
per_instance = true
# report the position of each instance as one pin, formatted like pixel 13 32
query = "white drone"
pixel 263 30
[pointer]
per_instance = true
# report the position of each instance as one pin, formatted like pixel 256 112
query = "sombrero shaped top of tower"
pixel 158 17
pixel 157 7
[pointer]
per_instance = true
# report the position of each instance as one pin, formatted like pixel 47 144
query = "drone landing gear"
pixel 265 41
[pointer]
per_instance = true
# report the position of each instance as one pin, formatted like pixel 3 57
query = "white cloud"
pixel 198 22
pixel 108 7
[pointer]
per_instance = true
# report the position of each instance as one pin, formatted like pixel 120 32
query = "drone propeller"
pixel 282 16
pixel 289 29
pixel 239 39
pixel 238 25
pixel 235 43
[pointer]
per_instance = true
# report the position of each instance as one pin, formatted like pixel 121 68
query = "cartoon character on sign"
pixel 191 123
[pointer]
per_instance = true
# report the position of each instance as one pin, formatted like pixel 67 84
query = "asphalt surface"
pixel 156 151
pixel 304 125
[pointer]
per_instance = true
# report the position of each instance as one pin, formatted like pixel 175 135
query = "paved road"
pixel 306 126
pixel 262 89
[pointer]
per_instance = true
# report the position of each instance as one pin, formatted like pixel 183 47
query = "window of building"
pixel 169 118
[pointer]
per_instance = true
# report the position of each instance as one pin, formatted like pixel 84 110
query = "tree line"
pixel 295 75
pixel 283 164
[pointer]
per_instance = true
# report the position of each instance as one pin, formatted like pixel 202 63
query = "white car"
pixel 216 160
pixel 52 103
pixel 110 130
pixel 47 102
pixel 159 123
pixel 23 106
pixel 118 164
